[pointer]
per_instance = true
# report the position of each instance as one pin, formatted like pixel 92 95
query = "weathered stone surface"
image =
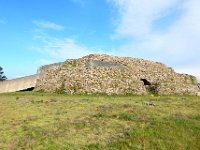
pixel 91 64
pixel 43 69
pixel 109 74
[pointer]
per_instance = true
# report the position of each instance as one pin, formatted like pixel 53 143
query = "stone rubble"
pixel 97 73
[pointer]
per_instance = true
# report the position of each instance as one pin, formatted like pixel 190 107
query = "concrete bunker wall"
pixel 26 83
pixel 18 84
pixel 90 64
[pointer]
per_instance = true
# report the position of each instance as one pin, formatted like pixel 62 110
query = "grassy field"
pixel 50 121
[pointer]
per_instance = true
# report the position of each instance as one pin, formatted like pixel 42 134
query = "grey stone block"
pixel 97 63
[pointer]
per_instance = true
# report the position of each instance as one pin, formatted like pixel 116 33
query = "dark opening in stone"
pixel 29 89
pixel 145 82
pixel 198 85
pixel 152 88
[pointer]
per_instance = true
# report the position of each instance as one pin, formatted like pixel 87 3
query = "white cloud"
pixel 48 25
pixel 63 48
pixel 190 70
pixel 137 16
pixel 176 45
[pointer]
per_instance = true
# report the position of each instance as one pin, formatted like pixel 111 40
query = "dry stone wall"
pixel 110 74
pixel 43 69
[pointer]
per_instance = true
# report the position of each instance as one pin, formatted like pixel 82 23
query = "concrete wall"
pixel 97 63
pixel 18 84
pixel 28 81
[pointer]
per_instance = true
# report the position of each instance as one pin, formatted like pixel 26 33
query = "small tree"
pixel 2 76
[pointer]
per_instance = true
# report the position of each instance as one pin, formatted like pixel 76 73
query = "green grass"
pixel 34 120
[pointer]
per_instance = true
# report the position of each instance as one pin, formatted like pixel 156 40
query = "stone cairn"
pixel 114 75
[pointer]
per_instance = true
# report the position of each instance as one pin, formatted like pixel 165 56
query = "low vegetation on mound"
pixel 54 121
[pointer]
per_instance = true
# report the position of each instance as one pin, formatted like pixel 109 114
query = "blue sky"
pixel 38 32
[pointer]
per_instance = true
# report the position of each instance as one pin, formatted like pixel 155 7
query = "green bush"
pixel 61 90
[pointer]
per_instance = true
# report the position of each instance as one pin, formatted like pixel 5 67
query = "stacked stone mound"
pixel 114 75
